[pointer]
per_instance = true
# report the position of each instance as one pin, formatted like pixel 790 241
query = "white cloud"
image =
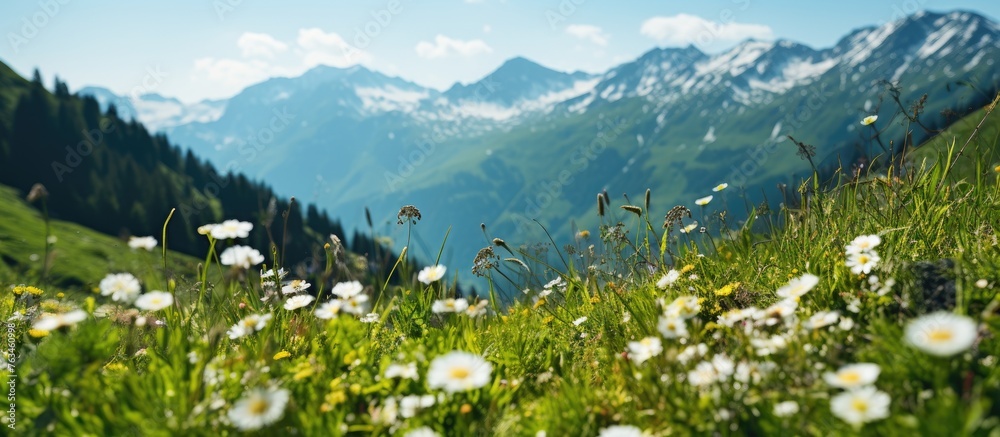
pixel 329 49
pixel 260 45
pixel 444 46
pixel 230 74
pixel 684 29
pixel 588 32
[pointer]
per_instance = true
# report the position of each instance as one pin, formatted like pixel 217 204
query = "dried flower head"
pixel 633 209
pixel 674 216
pixel 484 261
pixel 408 213
pixel 37 192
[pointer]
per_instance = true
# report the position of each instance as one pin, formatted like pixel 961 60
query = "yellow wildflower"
pixel 595 299
pixel 687 268
pixel 37 333
pixel 727 289
pixel 32 290
pixel 548 319
pixel 465 409
pixel 282 354
pixel 540 302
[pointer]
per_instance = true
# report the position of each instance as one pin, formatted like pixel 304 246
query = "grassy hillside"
pixel 981 153
pixel 79 257
pixel 873 311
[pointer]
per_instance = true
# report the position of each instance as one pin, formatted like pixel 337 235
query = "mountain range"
pixel 529 143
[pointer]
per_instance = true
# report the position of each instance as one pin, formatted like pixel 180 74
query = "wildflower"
pixel 296 286
pixel 727 289
pixel 867 121
pixel 798 287
pixel 356 305
pixel 846 323
pixel 730 317
pixel 853 376
pixel 941 333
pixel 982 283
pixel 296 302
pixel 402 371
pixel 822 319
pixel 423 431
pixel 32 290
pixel 703 374
pixel 431 274
pixel 620 431
pixel 231 229
pixel 768 346
pixel 691 351
pixel 720 187
pixel 281 355
pixel 347 290
pixel 458 371
pixel 409 405
pixel 51 322
pixel 241 256
pixel 278 274
pixel 703 201
pixel 863 262
pixel 154 301
pixel 786 408
pixel 642 350
pixel 123 287
pixel 147 243
pixel 668 279
pixel 248 325
pixel 579 321
pixel 863 243
pixel 857 407
pixel 684 307
pixel 687 229
pixel 557 283
pixel 478 309
pixel 258 408
pixel 672 327
pixel 583 235
pixel 450 305
pixel 723 365
pixel 328 310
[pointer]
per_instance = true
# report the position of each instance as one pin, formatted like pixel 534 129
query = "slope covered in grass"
pixel 79 257
pixel 759 337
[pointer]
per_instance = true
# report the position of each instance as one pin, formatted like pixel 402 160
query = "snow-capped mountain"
pixel 156 112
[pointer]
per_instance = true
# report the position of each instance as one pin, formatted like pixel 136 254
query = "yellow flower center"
pixel 258 406
pixel 460 373
pixel 859 405
pixel 940 335
pixel 850 377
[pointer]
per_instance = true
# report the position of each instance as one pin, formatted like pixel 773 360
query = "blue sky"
pixel 196 49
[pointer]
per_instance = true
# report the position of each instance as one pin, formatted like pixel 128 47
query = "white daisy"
pixel 689 228
pixel 672 327
pixel 798 287
pixel 409 405
pixel 423 431
pixel 147 243
pixel 248 325
pixel 258 408
pixel 822 319
pixel 450 305
pixel 347 290
pixel 51 322
pixel 459 371
pixel 941 333
pixel 154 301
pixel 231 229
pixel 867 121
pixel 620 431
pixel 703 374
pixel 579 321
pixel 296 302
pixel 122 287
pixel 853 376
pixel 296 286
pixel 863 262
pixel 866 404
pixel 328 310
pixel 863 243
pixel 272 273
pixel 703 201
pixel 478 309
pixel 241 256
pixel 786 408
pixel 431 273
pixel 668 279
pixel 402 371
pixel 720 187
pixel 642 350
pixel 357 305
pixel 684 307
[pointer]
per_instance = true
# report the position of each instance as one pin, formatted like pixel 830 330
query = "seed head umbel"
pixel 408 213
pixel 674 216
pixel 484 261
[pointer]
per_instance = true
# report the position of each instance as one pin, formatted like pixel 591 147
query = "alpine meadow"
pixel 500 217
